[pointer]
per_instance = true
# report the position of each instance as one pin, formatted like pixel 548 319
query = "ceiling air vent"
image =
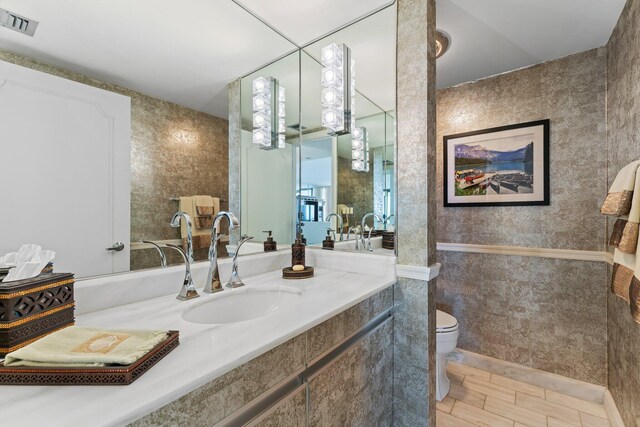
pixel 18 23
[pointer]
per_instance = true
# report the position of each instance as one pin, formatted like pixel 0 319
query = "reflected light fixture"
pixel 360 150
pixel 442 43
pixel 268 113
pixel 338 89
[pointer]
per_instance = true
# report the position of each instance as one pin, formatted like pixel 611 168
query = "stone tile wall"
pixel 545 313
pixel 356 388
pixel 218 399
pixel 571 93
pixel 414 327
pixel 557 306
pixel 623 129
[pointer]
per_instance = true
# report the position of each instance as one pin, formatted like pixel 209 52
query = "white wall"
pixel 267 191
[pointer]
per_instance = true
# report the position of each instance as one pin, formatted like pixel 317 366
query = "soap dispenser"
pixel 328 242
pixel 298 252
pixel 269 245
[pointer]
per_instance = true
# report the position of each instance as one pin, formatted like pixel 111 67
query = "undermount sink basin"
pixel 239 305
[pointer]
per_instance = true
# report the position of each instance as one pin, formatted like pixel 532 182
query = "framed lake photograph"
pixel 503 166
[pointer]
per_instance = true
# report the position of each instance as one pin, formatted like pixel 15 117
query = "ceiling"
pixel 323 16
pixel 489 37
pixel 188 55
pixel 185 55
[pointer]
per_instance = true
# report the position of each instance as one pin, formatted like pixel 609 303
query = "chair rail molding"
pixel 418 272
pixel 598 256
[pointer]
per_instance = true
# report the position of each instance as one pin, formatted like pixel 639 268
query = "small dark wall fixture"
pixel 502 166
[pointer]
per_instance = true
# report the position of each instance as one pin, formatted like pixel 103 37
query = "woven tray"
pixel 103 375
pixel 288 273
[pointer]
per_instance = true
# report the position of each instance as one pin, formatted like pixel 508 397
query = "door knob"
pixel 117 247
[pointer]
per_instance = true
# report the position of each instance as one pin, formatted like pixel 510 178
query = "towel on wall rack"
pixel 201 233
pixel 623 201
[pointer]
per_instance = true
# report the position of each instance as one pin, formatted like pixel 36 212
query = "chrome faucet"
pixel 213 283
pixel 355 233
pixel 364 218
pixel 175 222
pixel 234 280
pixel 163 257
pixel 340 224
pixel 188 290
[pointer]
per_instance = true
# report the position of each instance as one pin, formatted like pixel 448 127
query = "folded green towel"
pixel 76 347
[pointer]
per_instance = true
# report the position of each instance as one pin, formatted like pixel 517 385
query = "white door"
pixel 64 170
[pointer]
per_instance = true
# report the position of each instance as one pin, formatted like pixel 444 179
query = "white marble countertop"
pixel 205 351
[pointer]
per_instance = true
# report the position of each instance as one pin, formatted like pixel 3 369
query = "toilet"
pixel 446 340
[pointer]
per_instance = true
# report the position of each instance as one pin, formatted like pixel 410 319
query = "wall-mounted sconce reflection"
pixel 338 89
pixel 360 150
pixel 268 113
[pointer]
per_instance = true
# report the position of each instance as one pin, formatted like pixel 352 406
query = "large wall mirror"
pixel 128 123
pixel 132 126
pixel 320 161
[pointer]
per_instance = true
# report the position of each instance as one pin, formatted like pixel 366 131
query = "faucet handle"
pixel 188 290
pixel 244 238
pixel 234 280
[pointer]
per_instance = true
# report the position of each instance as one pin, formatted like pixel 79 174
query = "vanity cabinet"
pixel 336 373
pixel 356 388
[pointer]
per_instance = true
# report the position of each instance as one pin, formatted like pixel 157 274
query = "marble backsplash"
pixel 623 129
pixel 175 151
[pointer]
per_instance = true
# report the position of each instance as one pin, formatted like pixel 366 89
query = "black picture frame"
pixel 539 194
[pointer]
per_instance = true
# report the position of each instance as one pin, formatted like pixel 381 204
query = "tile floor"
pixel 482 399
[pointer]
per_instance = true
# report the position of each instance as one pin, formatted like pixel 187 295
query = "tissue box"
pixel 35 307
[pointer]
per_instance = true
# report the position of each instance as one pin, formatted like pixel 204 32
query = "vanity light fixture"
pixel 338 89
pixel 360 150
pixel 268 113
pixel 442 43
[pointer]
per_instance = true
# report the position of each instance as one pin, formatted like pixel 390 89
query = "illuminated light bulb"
pixel 357 133
pixel 261 103
pixel 330 116
pixel 262 137
pixel 260 119
pixel 261 86
pixel 331 55
pixel 328 55
pixel 331 77
pixel 333 118
pixel 331 97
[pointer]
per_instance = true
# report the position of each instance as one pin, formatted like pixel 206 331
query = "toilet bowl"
pixel 446 340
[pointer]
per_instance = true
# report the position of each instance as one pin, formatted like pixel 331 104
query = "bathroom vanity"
pixel 272 350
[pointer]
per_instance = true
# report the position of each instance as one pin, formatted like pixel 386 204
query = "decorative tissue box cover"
pixel 33 308
pixel 389 239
